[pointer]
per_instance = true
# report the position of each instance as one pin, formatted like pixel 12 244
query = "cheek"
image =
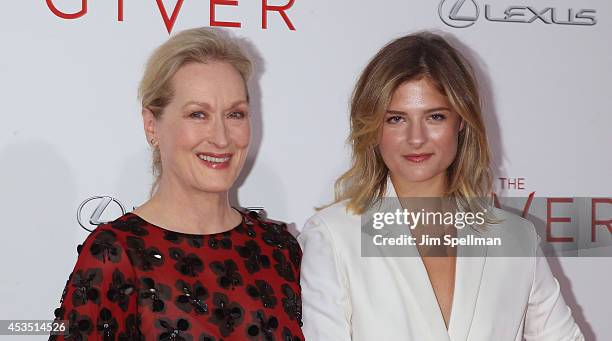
pixel 185 135
pixel 241 134
pixel 391 141
pixel 445 141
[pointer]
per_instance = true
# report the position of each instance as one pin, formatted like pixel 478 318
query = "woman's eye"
pixel 394 119
pixel 237 114
pixel 437 117
pixel 197 114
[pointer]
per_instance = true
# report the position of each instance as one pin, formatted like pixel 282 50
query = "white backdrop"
pixel 71 125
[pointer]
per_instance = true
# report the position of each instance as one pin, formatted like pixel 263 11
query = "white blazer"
pixel 349 297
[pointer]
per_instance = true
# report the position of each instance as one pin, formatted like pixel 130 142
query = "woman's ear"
pixel 150 125
pixel 462 124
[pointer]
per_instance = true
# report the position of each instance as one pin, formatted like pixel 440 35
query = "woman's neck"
pixel 178 208
pixel 425 196
pixel 432 188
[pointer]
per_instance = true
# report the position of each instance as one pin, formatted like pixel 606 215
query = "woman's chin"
pixel 214 186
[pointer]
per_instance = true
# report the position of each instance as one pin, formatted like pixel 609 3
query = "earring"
pixel 153 142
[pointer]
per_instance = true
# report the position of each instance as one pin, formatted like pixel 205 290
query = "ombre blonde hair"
pixel 409 58
pixel 197 45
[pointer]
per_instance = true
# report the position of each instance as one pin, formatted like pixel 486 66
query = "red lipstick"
pixel 214 160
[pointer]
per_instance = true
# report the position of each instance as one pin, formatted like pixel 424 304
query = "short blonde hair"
pixel 412 57
pixel 197 45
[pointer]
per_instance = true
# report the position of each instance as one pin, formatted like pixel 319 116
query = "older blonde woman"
pixel 185 265
pixel 417 132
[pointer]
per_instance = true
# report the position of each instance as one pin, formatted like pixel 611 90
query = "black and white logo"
pixel 99 205
pixel 465 13
pixel 458 13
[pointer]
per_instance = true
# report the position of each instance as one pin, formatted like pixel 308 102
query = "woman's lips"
pixel 418 158
pixel 215 161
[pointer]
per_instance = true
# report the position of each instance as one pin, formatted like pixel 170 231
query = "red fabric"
pixel 136 281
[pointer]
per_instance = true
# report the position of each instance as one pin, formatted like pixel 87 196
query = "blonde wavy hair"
pixel 197 45
pixel 412 57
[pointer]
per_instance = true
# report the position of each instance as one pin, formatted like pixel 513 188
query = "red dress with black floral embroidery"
pixel 137 281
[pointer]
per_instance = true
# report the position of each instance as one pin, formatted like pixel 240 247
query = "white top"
pixel 349 297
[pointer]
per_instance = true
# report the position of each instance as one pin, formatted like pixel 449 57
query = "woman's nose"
pixel 417 134
pixel 219 136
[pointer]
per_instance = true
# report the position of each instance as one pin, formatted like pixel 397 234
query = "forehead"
pixel 207 82
pixel 418 94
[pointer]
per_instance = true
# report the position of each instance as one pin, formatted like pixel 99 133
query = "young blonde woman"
pixel 417 131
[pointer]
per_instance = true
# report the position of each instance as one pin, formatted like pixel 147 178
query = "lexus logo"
pixel 464 13
pixel 449 12
pixel 100 203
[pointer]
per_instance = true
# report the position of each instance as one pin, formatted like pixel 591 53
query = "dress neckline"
pixel 163 229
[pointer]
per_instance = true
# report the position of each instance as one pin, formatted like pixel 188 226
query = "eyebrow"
pixel 209 107
pixel 402 113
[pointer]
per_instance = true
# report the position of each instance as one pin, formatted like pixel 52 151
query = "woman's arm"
pixel 548 317
pixel 99 300
pixel 325 302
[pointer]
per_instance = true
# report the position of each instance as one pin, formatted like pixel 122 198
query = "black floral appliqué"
pixel 262 327
pixel 224 242
pixel 288 336
pixel 105 247
pixel 188 265
pixel 177 238
pixel 107 325
pixel 292 303
pixel 226 316
pixel 131 224
pixel 173 237
pixel 192 297
pixel 59 313
pixel 174 331
pixel 277 235
pixel 153 294
pixel 295 252
pixel 282 266
pixel 247 228
pixel 142 257
pixel 120 290
pixel 274 235
pixel 254 260
pixel 132 329
pixel 79 326
pixel 264 292
pixel 195 241
pixel 227 276
pixel 85 286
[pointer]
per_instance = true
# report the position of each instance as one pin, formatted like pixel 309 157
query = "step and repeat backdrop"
pixel 72 145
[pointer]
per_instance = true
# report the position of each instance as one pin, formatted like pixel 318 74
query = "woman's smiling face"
pixel 203 134
pixel 419 137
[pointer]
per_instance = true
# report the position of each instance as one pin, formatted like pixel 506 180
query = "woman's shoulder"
pixel 335 226
pixel 517 234
pixel 258 220
pixel 513 223
pixel 125 225
pixel 336 217
pixel 273 233
pixel 109 240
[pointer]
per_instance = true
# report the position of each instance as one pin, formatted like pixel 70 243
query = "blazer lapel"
pixel 468 278
pixel 420 297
